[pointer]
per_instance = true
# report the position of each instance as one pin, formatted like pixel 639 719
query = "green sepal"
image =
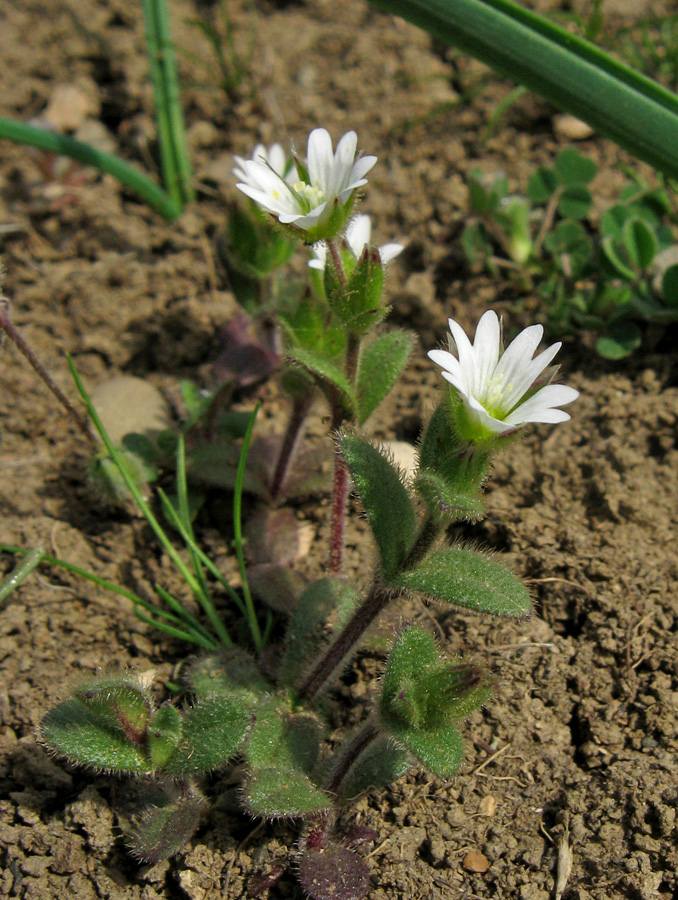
pixel 381 364
pixel 76 731
pixel 424 692
pixel 440 751
pixel 164 733
pixel 122 703
pixel 463 466
pixel 211 733
pixel 381 763
pixel 164 828
pixel 307 326
pixel 470 580
pixel 445 501
pixel 227 673
pixel 414 655
pixel 251 247
pixel 387 504
pixel 329 377
pixel 324 607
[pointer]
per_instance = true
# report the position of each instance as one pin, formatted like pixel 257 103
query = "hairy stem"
pixel 375 602
pixel 339 497
pixel 20 342
pixel 349 753
pixel 373 605
pixel 300 409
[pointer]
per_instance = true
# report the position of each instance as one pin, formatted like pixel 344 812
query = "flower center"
pixel 494 396
pixel 308 195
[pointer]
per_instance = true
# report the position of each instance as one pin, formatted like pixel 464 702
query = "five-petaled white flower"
pixel 503 389
pixel 326 187
pixel 357 235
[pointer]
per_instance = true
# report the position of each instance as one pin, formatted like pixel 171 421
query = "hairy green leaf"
pixel 381 364
pixel 76 731
pixel 387 504
pixel 465 578
pixel 212 732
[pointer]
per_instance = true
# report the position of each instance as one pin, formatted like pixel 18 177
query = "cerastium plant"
pixel 267 712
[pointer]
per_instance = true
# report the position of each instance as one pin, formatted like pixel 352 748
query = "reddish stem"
pixel 19 341
pixel 300 408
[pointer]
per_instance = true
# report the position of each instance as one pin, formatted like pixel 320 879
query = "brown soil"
pixel 576 749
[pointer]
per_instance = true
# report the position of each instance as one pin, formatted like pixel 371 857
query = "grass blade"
pixel 634 111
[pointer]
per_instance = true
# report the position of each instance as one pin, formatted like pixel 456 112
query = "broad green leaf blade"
pixel 570 244
pixel 277 792
pixel 385 499
pixel 575 202
pixel 640 243
pixel 212 732
pixel 77 732
pixel 227 673
pixel 542 185
pixel 635 112
pixel 326 373
pixel 622 339
pixel 325 606
pixel 465 578
pixel 381 364
pixel 166 825
pixel 445 500
pixel 571 168
pixel 614 255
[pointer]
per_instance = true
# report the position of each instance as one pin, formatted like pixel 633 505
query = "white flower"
pixel 273 158
pixel 309 201
pixel 503 389
pixel 357 234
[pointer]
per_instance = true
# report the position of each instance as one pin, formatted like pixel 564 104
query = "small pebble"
pixel 487 806
pixel 68 107
pixel 475 861
pixel 127 404
pixel 570 128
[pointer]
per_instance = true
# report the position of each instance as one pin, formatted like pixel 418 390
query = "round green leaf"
pixel 612 221
pixel 614 253
pixel 670 286
pixel 571 245
pixel 542 185
pixel 640 243
pixel 620 341
pixel 575 202
pixel 572 168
